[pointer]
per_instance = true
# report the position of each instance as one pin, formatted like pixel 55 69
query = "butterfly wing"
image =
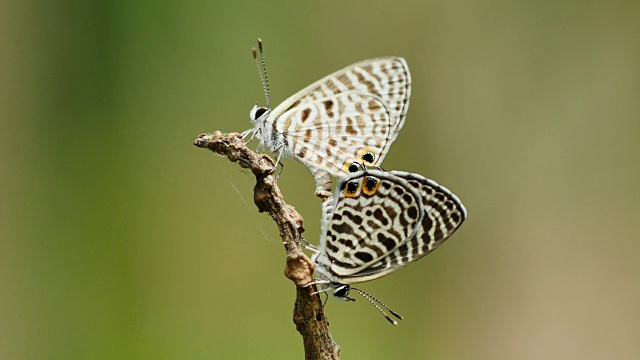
pixel 372 214
pixel 444 213
pixel 361 107
pixel 333 134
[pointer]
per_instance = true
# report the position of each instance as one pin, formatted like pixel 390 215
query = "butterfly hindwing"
pixel 444 213
pixel 373 213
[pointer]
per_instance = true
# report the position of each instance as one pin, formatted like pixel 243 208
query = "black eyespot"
pixel 368 157
pixel 260 112
pixel 352 187
pixel 371 183
pixel 353 167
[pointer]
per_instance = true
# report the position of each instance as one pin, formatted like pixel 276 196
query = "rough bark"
pixel 308 314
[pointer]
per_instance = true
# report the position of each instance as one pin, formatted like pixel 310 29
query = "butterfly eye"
pixel 341 291
pixel 259 113
pixel 370 186
pixel 368 157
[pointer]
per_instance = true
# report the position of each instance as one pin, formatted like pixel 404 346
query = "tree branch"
pixel 308 314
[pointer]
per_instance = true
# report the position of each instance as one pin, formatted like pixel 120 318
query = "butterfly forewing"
pixel 444 213
pixel 361 107
pixel 336 132
pixel 372 214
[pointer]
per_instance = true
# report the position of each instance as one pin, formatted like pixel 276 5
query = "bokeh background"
pixel 121 240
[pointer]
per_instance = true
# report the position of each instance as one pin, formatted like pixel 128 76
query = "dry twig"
pixel 308 314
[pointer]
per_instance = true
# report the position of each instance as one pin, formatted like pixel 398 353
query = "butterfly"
pixel 347 118
pixel 378 223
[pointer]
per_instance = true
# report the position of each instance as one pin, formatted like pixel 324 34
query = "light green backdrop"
pixel 121 240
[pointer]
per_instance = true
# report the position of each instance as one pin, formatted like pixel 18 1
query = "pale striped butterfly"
pixel 377 223
pixel 351 116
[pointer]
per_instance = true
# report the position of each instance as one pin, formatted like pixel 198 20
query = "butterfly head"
pixel 340 292
pixel 259 114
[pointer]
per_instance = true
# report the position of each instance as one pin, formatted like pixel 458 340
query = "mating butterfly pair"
pixel 377 222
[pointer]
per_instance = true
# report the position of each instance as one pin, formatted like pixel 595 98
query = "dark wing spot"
pixel 333 142
pixel 353 168
pixel 427 223
pixel 387 242
pixel 379 215
pixel 438 234
pixel 373 105
pixel 350 128
pixel 412 212
pixel 305 114
pixel 342 228
pixel 363 256
pixel 455 217
pixel 328 105
pixel 332 248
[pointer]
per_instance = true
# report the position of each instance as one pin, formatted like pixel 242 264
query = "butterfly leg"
pixel 247 133
pixel 326 298
pixel 316 282
pixel 252 132
pixel 323 289
pixel 310 246
pixel 281 148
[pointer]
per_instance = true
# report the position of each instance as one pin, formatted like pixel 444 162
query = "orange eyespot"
pixel 370 185
pixel 351 189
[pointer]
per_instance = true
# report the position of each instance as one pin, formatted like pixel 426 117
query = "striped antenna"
pixel 262 70
pixel 371 300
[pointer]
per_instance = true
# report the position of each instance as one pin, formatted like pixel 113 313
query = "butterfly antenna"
pixel 262 71
pixel 386 307
pixel 373 301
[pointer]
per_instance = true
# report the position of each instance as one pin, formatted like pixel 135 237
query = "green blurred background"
pixel 121 240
